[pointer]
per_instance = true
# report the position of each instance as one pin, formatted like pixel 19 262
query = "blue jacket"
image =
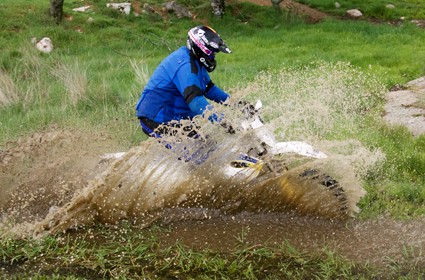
pixel 178 89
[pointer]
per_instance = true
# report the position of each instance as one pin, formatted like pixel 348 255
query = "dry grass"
pixel 74 79
pixel 141 72
pixel 9 94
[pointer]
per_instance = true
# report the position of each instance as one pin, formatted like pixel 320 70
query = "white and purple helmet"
pixel 204 42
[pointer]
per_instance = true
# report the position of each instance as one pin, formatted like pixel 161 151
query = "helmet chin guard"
pixel 204 42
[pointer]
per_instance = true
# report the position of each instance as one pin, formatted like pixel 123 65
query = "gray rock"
pixel 354 13
pixel 402 107
pixel 179 10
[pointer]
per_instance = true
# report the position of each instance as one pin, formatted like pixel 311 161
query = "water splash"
pixel 152 183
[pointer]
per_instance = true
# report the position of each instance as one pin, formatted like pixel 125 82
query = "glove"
pixel 219 118
pixel 215 118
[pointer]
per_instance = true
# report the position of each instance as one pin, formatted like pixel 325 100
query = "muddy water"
pixel 379 242
pixel 191 179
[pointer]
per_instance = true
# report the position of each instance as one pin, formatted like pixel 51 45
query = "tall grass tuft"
pixel 31 76
pixel 74 79
pixel 8 92
pixel 141 72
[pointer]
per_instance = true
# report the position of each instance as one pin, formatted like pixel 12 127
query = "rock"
pixel 178 9
pixel 82 9
pixel 390 6
pixel 147 9
pixel 122 7
pixel 337 5
pixel 418 22
pixel 402 107
pixel 354 13
pixel 417 84
pixel 44 45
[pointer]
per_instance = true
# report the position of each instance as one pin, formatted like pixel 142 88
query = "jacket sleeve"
pixel 215 93
pixel 199 104
pixel 189 86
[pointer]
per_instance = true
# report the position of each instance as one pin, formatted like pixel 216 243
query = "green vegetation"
pixel 98 51
pixel 129 253
pixel 103 58
pixel 379 9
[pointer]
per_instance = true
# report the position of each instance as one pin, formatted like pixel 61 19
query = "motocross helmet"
pixel 204 42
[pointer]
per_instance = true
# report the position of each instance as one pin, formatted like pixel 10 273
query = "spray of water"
pixel 180 177
pixel 316 101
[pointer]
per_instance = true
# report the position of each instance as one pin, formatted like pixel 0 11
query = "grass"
pixel 398 189
pixel 410 9
pixel 125 252
pixel 102 60
pixel 107 46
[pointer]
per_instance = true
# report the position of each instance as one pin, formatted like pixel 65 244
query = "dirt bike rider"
pixel 180 87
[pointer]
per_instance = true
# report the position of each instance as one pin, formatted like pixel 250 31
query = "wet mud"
pixel 381 242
